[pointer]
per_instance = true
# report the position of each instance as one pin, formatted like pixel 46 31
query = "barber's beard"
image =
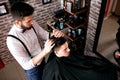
pixel 25 28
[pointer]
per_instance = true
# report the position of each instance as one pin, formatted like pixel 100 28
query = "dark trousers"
pixel 36 72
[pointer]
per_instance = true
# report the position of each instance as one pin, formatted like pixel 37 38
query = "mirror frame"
pixel 98 30
pixel 99 26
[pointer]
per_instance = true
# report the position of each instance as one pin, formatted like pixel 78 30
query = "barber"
pixel 26 32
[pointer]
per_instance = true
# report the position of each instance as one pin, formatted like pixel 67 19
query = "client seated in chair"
pixel 64 64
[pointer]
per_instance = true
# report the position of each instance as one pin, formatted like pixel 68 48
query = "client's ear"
pixel 55 51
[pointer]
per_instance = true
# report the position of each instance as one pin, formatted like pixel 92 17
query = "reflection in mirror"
pixel 106 36
pixel 107 41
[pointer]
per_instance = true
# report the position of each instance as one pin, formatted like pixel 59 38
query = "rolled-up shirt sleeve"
pixel 19 53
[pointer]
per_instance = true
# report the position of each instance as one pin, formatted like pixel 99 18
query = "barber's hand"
pixel 57 33
pixel 49 44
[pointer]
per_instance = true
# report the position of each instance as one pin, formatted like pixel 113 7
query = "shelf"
pixel 77 12
pixel 49 23
pixel 71 26
pixel 77 26
pixel 80 21
pixel 55 18
pixel 72 39
pixel 73 22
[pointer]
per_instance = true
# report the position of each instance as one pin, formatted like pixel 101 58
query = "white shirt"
pixel 30 39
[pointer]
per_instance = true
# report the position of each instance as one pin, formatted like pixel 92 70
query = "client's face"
pixel 63 51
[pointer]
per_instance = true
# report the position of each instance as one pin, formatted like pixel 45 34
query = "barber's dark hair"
pixel 20 9
pixel 58 41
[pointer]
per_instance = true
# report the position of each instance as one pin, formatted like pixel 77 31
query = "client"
pixel 64 64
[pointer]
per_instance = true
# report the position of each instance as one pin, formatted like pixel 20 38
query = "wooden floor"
pixel 12 71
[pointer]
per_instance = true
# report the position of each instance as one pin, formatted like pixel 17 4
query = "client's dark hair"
pixel 20 9
pixel 58 41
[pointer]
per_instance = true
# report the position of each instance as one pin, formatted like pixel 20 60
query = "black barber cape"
pixel 76 67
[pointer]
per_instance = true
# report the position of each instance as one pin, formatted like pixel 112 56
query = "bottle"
pixel 61 26
pixel 73 34
pixel 83 3
pixel 81 19
pixel 71 20
pixel 77 5
pixel 69 6
pixel 53 23
pixel 69 32
pixel 62 5
pixel 79 32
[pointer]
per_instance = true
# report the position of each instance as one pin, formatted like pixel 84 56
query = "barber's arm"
pixel 49 44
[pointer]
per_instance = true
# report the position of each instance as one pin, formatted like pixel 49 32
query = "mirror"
pixel 105 39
